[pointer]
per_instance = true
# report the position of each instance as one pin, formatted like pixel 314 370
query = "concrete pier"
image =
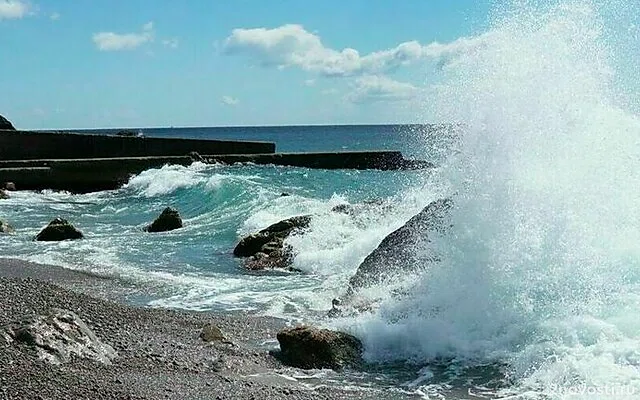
pixel 27 145
pixel 90 175
pixel 382 160
pixel 87 163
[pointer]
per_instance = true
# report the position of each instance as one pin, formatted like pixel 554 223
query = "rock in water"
pixel 266 249
pixel 167 221
pixel 3 195
pixel 57 230
pixel 397 251
pixel 311 348
pixel 58 336
pixel 5 124
pixel 6 228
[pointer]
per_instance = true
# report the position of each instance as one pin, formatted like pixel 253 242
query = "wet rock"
pixel 311 348
pixel 59 229
pixel 278 259
pixel 10 186
pixel 57 336
pixel 5 124
pixel 400 250
pixel 6 228
pixel 266 249
pixel 167 221
pixel 3 195
pixel 211 333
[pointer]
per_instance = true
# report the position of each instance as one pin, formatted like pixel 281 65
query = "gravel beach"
pixel 159 352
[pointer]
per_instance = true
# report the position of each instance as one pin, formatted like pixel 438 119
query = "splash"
pixel 542 272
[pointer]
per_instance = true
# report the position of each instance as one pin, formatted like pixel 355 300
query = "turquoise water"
pixel 193 268
pixel 537 293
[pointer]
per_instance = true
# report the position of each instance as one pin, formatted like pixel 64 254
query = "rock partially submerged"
pixel 59 229
pixel 266 249
pixel 311 348
pixel 58 336
pixel 397 252
pixel 5 124
pixel 168 220
pixel 3 195
pixel 6 228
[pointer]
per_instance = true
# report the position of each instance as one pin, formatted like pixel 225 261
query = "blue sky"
pixel 117 63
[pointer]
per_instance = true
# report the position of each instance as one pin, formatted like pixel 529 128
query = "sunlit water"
pixel 538 292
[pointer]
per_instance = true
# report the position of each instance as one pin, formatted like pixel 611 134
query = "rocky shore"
pixel 160 354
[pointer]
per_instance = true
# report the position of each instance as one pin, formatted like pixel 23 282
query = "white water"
pixel 542 273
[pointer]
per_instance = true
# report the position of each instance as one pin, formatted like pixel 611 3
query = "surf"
pixel 540 276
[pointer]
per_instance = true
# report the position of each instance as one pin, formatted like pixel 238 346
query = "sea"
pixel 536 293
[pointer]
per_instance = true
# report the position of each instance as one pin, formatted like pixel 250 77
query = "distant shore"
pixel 160 354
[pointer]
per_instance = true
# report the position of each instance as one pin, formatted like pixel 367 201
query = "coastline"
pixel 160 354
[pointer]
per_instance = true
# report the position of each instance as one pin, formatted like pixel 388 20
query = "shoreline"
pixel 160 353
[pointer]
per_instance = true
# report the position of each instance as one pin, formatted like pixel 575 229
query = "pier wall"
pixel 26 145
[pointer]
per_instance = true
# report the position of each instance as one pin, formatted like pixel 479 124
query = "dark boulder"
pixel 5 124
pixel 168 220
pixel 10 186
pixel 6 228
pixel 311 348
pixel 266 249
pixel 3 195
pixel 57 337
pixel 57 230
pixel 400 250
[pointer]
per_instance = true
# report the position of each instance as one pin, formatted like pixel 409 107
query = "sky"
pixel 140 63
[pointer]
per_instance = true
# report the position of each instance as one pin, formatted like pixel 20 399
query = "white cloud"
pixel 292 45
pixel 55 16
pixel 372 88
pixel 230 101
pixel 13 9
pixel 172 43
pixel 111 41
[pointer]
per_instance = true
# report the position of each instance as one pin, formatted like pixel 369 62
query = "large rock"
pixel 5 124
pixel 168 220
pixel 6 228
pixel 57 230
pixel 266 249
pixel 400 250
pixel 3 195
pixel 311 348
pixel 57 336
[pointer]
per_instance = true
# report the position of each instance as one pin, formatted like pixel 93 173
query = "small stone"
pixel 59 229
pixel 6 228
pixel 211 333
pixel 168 220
